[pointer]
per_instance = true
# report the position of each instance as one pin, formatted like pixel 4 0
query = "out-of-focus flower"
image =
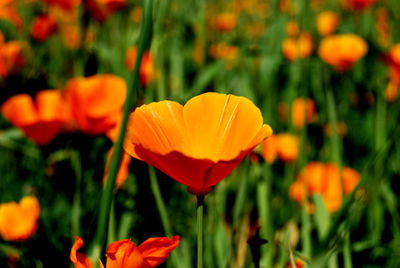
pixel 40 119
pixel 296 48
pixel 96 102
pixel 355 5
pixel 327 22
pixel 136 14
pixel 124 253
pixel 303 111
pixel 286 146
pixel 392 59
pixel 325 180
pixel 71 35
pixel 18 221
pixel 342 50
pixel 67 5
pixel 9 12
pixel 80 260
pixel 341 129
pixel 382 26
pixel 123 170
pixel 147 72
pixel 197 144
pixel 102 9
pixel 224 22
pixel 42 27
pixel 224 51
pixel 392 91
pixel 292 28
pixel 11 56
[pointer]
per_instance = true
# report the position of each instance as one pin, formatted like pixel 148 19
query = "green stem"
pixel 200 213
pixel 106 198
pixel 155 188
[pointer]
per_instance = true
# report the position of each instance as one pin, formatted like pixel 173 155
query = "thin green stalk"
pixel 162 210
pixel 106 198
pixel 200 236
pixel 111 237
pixel 76 205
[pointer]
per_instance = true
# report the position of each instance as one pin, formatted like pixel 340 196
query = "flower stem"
pixel 106 198
pixel 200 213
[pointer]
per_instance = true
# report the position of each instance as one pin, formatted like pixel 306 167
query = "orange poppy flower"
pixel 357 4
pixel 18 221
pixel 296 48
pixel 292 28
pixel 10 56
pixel 327 22
pixel 42 27
pixel 102 9
pixel 41 120
pixel 285 145
pixel 325 180
pixel 303 111
pixel 342 50
pixel 224 22
pixel 124 253
pixel 147 71
pixel 392 59
pixel 197 144
pixel 96 102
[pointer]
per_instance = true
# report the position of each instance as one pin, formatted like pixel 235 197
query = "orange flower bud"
pixel 18 221
pixel 226 21
pixel 301 47
pixel 303 111
pixel 342 50
pixel 327 22
pixel 42 27
pixel 147 72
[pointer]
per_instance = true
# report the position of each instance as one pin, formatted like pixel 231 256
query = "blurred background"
pixel 325 74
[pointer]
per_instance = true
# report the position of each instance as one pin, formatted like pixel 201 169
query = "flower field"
pixel 227 133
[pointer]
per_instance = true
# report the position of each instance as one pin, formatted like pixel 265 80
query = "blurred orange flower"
pixel 292 28
pixel 224 22
pixel 327 22
pixel 286 146
pixel 147 71
pixel 102 9
pixel 42 27
pixel 18 221
pixel 123 170
pixel 342 50
pixel 96 102
pixel 67 5
pixel 11 56
pixel 124 253
pixel 197 144
pixel 303 111
pixel 325 180
pixel 9 12
pixel 357 4
pixel 224 51
pixel 392 59
pixel 40 119
pixel 300 47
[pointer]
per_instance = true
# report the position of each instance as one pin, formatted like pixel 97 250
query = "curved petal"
pixel 124 253
pixel 221 126
pixel 50 105
pixel 156 250
pixel 20 110
pixel 79 260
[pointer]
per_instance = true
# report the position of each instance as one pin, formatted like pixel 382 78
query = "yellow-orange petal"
pixel 79 260
pixel 289 147
pixel 18 221
pixel 20 110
